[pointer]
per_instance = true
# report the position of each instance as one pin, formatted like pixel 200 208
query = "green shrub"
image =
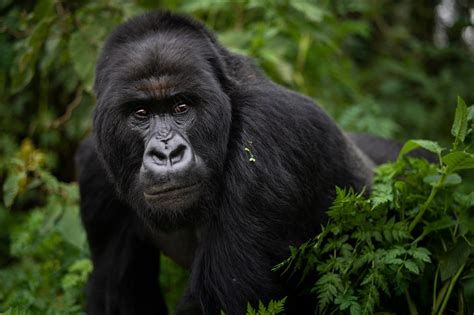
pixel 409 246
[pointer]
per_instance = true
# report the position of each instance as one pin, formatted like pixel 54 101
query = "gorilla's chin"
pixel 173 198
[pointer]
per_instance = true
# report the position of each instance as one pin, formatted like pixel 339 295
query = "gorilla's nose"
pixel 170 152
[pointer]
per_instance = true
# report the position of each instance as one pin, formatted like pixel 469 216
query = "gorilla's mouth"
pixel 160 191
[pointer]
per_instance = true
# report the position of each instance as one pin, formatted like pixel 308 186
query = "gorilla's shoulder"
pixel 86 154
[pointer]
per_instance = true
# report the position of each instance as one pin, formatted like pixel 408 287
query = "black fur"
pixel 247 213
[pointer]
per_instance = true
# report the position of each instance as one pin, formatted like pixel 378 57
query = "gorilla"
pixel 196 154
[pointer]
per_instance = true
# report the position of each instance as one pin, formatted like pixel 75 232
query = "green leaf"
pixel 12 186
pixel 328 287
pixel 453 259
pixel 381 193
pixel 459 128
pixel 77 274
pixel 70 228
pixel 411 145
pixel 310 11
pixel 458 160
pixel 412 266
pixel 421 254
pixel 24 68
pixel 16 311
pixel 274 308
pixel 83 51
pixel 44 9
pixel 440 224
pixel 450 180
pixel 347 301
pixel 466 200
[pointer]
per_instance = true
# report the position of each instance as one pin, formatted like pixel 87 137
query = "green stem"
pixel 435 289
pixel 450 289
pixel 425 206
pixel 440 297
pixel 423 209
pixel 411 305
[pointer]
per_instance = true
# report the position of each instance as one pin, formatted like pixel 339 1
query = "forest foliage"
pixel 391 68
pixel 413 237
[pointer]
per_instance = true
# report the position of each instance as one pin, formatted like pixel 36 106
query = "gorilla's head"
pixel 162 118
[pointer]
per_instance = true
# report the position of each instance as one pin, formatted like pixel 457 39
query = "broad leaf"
pixel 459 128
pixel 458 160
pixel 12 186
pixel 411 145
pixel 453 259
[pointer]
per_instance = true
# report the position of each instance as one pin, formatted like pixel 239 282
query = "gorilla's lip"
pixel 156 191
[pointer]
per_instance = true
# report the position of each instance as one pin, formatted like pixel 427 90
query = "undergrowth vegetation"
pixel 409 247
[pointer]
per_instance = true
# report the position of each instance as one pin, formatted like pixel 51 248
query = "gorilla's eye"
pixel 141 113
pixel 181 108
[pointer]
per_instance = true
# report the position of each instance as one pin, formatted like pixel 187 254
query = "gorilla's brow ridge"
pixel 157 87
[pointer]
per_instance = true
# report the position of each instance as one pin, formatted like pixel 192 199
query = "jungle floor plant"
pixel 409 246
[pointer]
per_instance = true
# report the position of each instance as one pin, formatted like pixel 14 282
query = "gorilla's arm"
pixel 126 266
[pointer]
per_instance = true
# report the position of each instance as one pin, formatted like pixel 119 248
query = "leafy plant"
pixel 273 308
pixel 412 238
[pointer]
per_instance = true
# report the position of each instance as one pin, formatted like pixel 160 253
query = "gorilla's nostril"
pixel 159 157
pixel 177 154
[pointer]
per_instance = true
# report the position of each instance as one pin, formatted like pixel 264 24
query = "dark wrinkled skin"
pixel 160 177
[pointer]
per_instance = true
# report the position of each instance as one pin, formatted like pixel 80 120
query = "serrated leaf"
pixel 250 310
pixel 346 300
pixel 276 307
pixel 381 194
pixel 328 286
pixel 458 160
pixel 356 309
pixel 459 128
pixel 421 254
pixel 440 224
pixel 12 186
pixel 450 262
pixel 411 145
pixel 411 266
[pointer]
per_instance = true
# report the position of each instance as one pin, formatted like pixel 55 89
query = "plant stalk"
pixel 450 289
pixel 425 206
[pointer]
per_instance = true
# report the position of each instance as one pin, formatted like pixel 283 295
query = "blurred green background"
pixel 391 68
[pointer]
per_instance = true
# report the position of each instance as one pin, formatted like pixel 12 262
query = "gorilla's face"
pixel 172 173
pixel 162 124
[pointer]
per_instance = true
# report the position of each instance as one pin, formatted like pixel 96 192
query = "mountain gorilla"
pixel 196 154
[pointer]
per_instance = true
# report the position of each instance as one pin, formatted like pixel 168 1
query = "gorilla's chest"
pixel 178 245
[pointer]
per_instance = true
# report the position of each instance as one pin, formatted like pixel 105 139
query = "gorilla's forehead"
pixel 156 66
pixel 160 55
pixel 160 87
